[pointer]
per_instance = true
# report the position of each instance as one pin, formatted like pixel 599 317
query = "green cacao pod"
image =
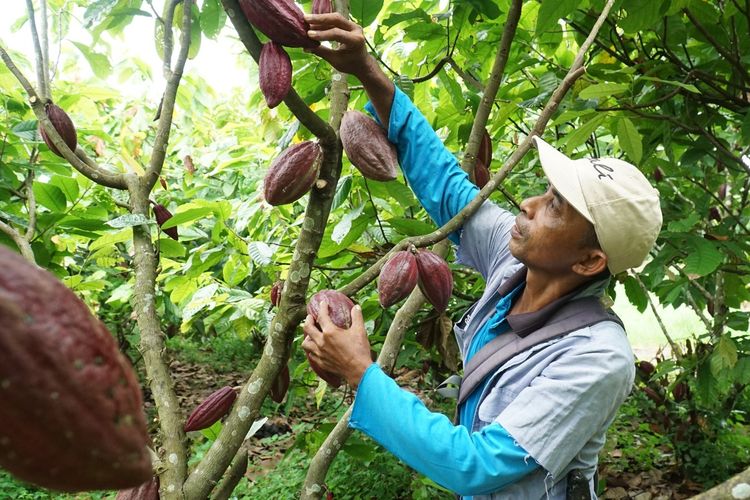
pixel 147 491
pixel 211 410
pixel 397 278
pixel 64 126
pixel 435 279
pixel 339 310
pixel 275 73
pixel 292 173
pixel 72 413
pixel 367 147
pixel 280 20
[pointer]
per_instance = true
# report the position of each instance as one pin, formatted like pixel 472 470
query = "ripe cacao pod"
pixel 275 73
pixel 658 176
pixel 64 126
pixel 72 413
pixel 322 6
pixel 147 491
pixel 653 395
pixel 367 147
pixel 485 149
pixel 339 310
pixel 397 278
pixel 280 20
pixel 292 173
pixel 276 290
pixel 435 279
pixel 163 215
pixel 280 385
pixel 680 391
pixel 646 368
pixel 714 214
pixel 211 410
pixel 481 174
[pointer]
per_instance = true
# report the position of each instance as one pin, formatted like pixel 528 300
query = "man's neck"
pixel 542 289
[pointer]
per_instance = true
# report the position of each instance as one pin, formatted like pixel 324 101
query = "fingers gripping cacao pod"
pixel 397 278
pixel 275 73
pixel 64 126
pixel 481 174
pixel 72 413
pixel 280 20
pixel 163 215
pixel 211 410
pixel 435 279
pixel 339 310
pixel 367 147
pixel 292 173
pixel 280 385
pixel 322 7
pixel 147 491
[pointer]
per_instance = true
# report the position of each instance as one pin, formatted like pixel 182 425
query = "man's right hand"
pixel 350 56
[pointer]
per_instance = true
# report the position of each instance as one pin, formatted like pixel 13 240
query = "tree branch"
pixel 233 476
pixel 45 49
pixel 724 53
pixel 675 348
pixel 23 246
pixel 30 200
pixel 39 57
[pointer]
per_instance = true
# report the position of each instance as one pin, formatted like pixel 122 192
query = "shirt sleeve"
pixel 468 463
pixel 573 399
pixel 433 173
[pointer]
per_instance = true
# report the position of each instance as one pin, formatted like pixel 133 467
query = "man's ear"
pixel 592 262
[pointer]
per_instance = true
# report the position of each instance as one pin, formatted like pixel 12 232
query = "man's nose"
pixel 528 205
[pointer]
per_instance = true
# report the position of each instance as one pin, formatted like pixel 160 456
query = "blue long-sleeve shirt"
pixel 469 463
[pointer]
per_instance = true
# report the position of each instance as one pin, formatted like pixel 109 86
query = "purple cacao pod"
pixel 275 73
pixel 211 410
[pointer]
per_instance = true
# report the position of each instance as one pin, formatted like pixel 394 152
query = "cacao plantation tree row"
pixel 664 85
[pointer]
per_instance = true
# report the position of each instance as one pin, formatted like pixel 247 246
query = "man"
pixel 543 413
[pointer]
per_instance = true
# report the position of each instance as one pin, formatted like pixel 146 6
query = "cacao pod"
pixel 276 290
pixel 64 126
pixel 653 395
pixel 72 413
pixel 322 6
pixel 280 385
pixel 435 279
pixel 163 215
pixel 275 73
pixel 481 174
pixel 280 20
pixel 714 214
pixel 367 147
pixel 397 278
pixel 485 149
pixel 339 310
pixel 147 491
pixel 292 173
pixel 680 391
pixel 658 176
pixel 163 182
pixel 646 368
pixel 211 410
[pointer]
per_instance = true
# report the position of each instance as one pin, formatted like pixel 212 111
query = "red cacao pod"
pixel 276 290
pixel 435 279
pixel 339 310
pixel 714 214
pixel 292 173
pixel 680 391
pixel 280 385
pixel 211 410
pixel 481 174
pixel 367 147
pixel 163 215
pixel 653 395
pixel 280 20
pixel 485 149
pixel 322 6
pixel 72 413
pixel 275 73
pixel 646 368
pixel 64 126
pixel 397 278
pixel 147 491
pixel 658 176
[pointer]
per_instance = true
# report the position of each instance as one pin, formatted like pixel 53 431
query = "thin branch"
pixel 30 199
pixel 41 79
pixel 168 43
pixel 45 48
pixel 727 55
pixel 23 246
pixel 232 476
pixel 375 210
pixel 468 79
pixel 672 344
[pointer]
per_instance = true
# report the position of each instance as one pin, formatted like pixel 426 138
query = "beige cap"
pixel 614 196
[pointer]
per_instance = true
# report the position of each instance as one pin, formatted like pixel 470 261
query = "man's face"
pixel 549 233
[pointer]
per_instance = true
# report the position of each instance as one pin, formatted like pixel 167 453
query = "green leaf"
pixel 410 227
pixel 68 186
pixel 26 129
pixel 345 225
pixel 724 356
pixel 746 128
pixel 129 220
pixel 551 11
pixel 213 18
pixel 260 252
pixel 703 258
pixel 630 139
pixel 365 11
pixel 342 192
pixel 687 86
pixel 99 63
pixel 109 239
pixel 52 197
pixel 582 133
pixel 642 15
pixel 187 216
pixel 601 90
pixel 635 293
pixel 170 248
pixel 424 31
pixel 742 370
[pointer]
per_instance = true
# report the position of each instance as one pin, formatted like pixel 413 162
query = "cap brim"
pixel 562 173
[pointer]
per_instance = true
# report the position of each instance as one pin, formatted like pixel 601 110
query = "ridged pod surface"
pixel 435 279
pixel 280 20
pixel 367 147
pixel 215 406
pixel 322 7
pixel 292 173
pixel 163 215
pixel 485 149
pixel 481 174
pixel 64 126
pixel 397 278
pixel 339 310
pixel 71 412
pixel 147 491
pixel 274 73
